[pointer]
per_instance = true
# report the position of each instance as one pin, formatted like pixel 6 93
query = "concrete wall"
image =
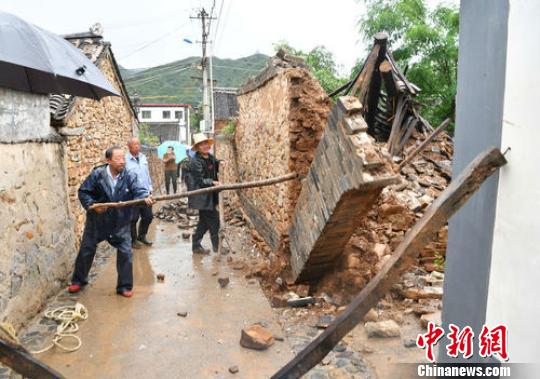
pixel 22 115
pixel 38 242
pixel 479 117
pixel 515 263
pixel 156 114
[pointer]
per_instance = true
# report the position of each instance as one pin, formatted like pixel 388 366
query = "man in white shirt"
pixel 137 162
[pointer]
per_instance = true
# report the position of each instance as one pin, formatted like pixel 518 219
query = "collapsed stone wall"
pixel 38 241
pixel 282 113
pixel 107 122
pixel 396 211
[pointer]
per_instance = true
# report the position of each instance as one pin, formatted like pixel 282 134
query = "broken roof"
pixel 95 48
pixel 225 104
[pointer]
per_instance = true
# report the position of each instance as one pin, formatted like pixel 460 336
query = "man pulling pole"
pixel 106 183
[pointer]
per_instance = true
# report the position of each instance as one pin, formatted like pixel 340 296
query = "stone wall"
pixel 107 122
pixel 38 241
pixel 282 113
pixel 346 177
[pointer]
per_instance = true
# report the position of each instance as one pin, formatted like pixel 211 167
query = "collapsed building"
pixel 336 225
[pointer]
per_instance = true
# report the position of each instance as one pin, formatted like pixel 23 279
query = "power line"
pixel 240 68
pixel 153 41
pixel 158 70
pixel 152 78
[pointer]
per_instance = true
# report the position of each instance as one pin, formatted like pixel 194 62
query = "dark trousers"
pixel 170 176
pixel 208 220
pixel 144 212
pixel 121 240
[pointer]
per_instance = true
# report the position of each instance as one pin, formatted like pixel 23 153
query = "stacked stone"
pixel 397 210
pixel 107 122
pixel 346 177
pixel 37 232
pixel 282 113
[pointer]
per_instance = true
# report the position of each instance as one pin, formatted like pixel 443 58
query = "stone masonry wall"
pixel 106 122
pixel 281 116
pixel 38 241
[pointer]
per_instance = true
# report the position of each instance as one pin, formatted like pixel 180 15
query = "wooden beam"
pixel 435 217
pixel 385 68
pixel 424 143
pixel 362 83
pixel 222 187
pixel 396 123
pixel 22 362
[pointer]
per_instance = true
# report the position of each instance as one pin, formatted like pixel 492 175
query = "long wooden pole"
pixel 16 357
pixel 435 217
pixel 424 143
pixel 224 187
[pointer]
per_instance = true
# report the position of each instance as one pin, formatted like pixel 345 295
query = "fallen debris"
pixel 301 302
pixel 436 216
pixel 223 282
pixel 182 314
pixel 435 318
pixel 384 329
pixel 160 277
pixel 234 369
pixel 256 337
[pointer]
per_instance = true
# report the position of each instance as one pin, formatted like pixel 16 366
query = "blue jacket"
pixel 96 189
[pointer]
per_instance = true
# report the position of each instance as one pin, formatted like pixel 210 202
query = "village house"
pixel 90 127
pixel 49 145
pixel 168 122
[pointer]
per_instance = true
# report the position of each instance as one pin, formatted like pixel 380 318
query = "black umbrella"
pixel 35 60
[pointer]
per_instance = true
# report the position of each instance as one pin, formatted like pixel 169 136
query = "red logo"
pixel 430 339
pixel 492 342
pixel 460 342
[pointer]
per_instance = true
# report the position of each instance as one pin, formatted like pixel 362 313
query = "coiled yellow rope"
pixel 67 316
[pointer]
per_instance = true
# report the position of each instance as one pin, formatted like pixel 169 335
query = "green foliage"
pixel 176 82
pixel 440 259
pixel 229 129
pixel 425 41
pixel 321 62
pixel 146 137
pixel 195 121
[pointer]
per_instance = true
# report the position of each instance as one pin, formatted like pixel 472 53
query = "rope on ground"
pixel 68 317
pixel 9 331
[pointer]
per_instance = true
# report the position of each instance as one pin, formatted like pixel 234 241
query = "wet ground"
pixel 143 337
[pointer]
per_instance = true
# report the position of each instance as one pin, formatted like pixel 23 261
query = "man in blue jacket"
pixel 108 183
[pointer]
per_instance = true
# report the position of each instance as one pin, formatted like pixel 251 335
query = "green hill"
pixel 176 82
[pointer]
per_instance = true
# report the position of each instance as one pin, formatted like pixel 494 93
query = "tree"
pixel 146 137
pixel 321 62
pixel 425 43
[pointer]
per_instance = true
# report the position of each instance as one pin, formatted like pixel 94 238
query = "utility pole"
pixel 205 17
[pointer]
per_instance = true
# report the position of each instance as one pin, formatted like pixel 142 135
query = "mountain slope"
pixel 176 82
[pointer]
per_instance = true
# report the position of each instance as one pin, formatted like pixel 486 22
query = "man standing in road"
pixel 137 162
pixel 169 161
pixel 108 183
pixel 203 172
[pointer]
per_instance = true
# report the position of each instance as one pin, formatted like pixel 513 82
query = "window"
pixel 166 114
pixel 178 115
pixel 146 114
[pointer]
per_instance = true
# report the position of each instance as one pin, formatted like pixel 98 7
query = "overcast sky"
pixel 150 33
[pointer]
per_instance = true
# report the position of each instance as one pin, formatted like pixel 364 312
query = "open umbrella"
pixel 179 149
pixel 35 60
